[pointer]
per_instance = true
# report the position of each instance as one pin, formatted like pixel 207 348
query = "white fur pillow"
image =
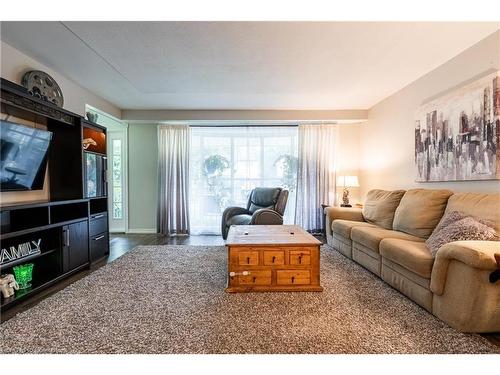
pixel 466 228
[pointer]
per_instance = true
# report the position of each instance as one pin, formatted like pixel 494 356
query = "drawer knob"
pixel 274 258
pixel 293 279
pixel 300 259
pixel 248 260
pixel 254 278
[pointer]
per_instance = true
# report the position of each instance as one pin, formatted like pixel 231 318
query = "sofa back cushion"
pixel 380 207
pixel 420 210
pixel 263 197
pixel 482 206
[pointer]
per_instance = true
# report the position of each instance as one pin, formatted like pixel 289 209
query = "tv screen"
pixel 23 156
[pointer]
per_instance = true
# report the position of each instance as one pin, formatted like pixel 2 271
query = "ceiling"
pixel 243 65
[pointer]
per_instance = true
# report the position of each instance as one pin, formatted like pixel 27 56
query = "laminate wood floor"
pixel 120 244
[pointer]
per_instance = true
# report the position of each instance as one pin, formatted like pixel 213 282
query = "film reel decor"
pixel 43 86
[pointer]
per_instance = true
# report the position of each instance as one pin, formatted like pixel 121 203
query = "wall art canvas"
pixel 457 136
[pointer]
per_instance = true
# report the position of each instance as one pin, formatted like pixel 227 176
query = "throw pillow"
pixel 452 216
pixel 465 229
pixel 449 218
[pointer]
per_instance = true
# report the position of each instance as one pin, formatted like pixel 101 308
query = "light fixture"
pixel 346 182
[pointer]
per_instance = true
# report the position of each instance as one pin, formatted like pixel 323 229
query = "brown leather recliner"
pixel 265 206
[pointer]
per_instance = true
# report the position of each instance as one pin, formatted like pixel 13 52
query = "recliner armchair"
pixel 265 206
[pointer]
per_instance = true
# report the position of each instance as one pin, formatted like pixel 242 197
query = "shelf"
pixel 5 236
pixel 26 259
pixel 43 109
pixel 68 212
pixel 57 203
pixel 95 153
pixel 22 205
pixel 37 286
pixel 19 90
pixel 98 135
pixel 101 197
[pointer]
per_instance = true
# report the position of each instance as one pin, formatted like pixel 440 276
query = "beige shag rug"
pixel 171 299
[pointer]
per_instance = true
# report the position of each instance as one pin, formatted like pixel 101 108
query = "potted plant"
pixel 288 165
pixel 215 165
pixel 213 168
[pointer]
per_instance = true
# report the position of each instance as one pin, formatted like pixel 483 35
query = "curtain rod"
pixel 243 126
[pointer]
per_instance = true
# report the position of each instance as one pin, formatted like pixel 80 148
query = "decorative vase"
pixel 23 275
pixel 92 116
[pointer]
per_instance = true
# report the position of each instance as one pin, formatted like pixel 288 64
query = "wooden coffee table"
pixel 270 258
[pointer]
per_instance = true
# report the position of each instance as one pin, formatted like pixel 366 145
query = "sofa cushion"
pixel 380 207
pixel 242 219
pixel 343 227
pixel 420 210
pixel 412 255
pixel 481 206
pixel 371 237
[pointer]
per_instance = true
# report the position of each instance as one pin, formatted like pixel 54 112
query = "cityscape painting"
pixel 457 136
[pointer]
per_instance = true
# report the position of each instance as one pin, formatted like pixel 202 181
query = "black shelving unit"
pixel 72 228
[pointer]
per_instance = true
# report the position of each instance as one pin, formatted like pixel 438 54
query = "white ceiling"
pixel 243 65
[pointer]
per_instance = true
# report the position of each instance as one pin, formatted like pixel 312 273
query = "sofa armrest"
pixel 464 295
pixel 475 254
pixel 228 213
pixel 344 213
pixel 233 211
pixel 265 216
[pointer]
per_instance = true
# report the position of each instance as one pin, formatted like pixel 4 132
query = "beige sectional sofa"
pixel 388 238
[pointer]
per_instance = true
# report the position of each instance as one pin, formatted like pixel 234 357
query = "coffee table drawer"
pixel 248 258
pixel 300 257
pixel 274 258
pixel 293 277
pixel 256 278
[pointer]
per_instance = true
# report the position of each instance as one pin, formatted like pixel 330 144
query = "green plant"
pixel 213 169
pixel 289 166
pixel 215 165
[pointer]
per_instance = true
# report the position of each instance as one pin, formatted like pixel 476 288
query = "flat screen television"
pixel 23 156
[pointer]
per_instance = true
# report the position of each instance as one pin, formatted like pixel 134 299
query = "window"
pixel 226 163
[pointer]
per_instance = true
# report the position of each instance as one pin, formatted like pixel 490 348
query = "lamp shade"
pixel 347 181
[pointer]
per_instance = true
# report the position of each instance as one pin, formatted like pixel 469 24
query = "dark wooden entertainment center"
pixel 73 228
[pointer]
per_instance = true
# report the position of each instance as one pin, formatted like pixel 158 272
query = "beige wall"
pixel 14 64
pixel 387 139
pixel 347 157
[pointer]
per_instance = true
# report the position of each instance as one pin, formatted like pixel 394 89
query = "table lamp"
pixel 346 182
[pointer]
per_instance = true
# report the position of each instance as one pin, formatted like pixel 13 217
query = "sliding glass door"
pixel 226 163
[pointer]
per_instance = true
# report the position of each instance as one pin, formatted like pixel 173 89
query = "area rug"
pixel 171 299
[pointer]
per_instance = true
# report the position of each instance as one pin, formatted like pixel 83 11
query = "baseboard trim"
pixel 141 230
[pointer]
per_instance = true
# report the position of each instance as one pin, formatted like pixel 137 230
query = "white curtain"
pixel 316 174
pixel 173 179
pixel 228 162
